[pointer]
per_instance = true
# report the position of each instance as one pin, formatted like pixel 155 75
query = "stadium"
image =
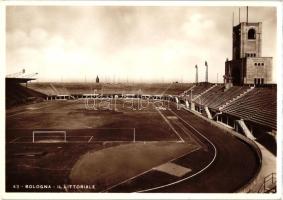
pixel 121 137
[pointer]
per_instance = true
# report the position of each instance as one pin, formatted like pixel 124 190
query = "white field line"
pixel 170 125
pixel 17 140
pixel 100 141
pixel 191 136
pixel 90 139
pixel 42 131
pixel 25 107
pixel 44 168
pixel 70 142
pixel 44 106
pixel 14 140
pixel 200 171
pixel 153 168
pixel 8 116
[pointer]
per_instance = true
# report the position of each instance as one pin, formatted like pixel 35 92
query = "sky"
pixel 127 43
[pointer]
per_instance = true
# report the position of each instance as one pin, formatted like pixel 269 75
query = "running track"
pixel 234 165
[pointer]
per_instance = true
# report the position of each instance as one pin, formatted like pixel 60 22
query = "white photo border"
pixel 9 195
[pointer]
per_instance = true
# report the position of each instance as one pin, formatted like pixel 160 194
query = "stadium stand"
pixel 210 95
pixel 17 94
pixel 108 88
pixel 258 106
pixel 61 89
pixel 254 105
pixel 197 90
pixel 221 97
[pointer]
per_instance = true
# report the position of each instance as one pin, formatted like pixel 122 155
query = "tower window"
pixel 255 64
pixel 251 34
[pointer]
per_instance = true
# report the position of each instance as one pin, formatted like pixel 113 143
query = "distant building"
pixel 97 79
pixel 247 65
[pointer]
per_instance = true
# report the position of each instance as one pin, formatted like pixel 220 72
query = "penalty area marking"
pixel 17 140
pixel 193 175
pixel 81 138
pixel 131 136
pixel 170 125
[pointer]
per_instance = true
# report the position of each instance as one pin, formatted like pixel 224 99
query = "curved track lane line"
pixel 199 172
pixel 181 180
pixel 113 186
pixel 170 125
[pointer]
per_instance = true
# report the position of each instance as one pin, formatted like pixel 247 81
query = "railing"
pixel 269 184
pixel 235 98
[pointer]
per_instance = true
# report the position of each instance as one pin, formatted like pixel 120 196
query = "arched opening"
pixel 251 34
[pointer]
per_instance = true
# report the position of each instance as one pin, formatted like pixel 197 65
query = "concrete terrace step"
pixel 195 98
pixel 185 92
pixel 236 98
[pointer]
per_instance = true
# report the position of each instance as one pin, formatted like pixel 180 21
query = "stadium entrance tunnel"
pixel 116 165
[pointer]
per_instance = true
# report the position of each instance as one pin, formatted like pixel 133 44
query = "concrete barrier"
pixel 257 179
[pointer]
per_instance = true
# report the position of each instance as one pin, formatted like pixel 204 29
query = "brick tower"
pixel 247 65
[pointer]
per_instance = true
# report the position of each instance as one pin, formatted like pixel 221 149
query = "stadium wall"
pixel 257 179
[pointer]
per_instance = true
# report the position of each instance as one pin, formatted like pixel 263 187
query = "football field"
pixel 120 145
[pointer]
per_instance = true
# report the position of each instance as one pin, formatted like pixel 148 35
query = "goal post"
pixel 49 135
pixel 96 135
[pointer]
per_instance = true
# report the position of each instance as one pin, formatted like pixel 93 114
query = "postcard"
pixel 141 100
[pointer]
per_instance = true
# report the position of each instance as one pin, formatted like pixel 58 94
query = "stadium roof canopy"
pixel 19 80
